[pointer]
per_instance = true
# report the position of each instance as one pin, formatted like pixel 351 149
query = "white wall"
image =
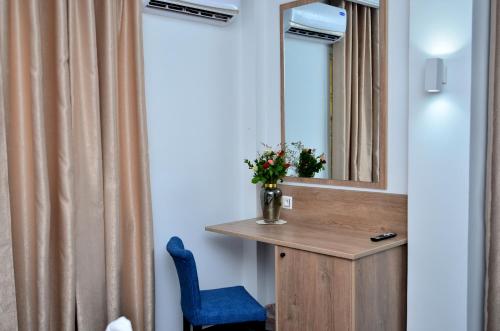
pixel 397 151
pixel 307 94
pixel 480 58
pixel 197 142
pixel 443 278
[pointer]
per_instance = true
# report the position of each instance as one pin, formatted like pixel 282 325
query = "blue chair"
pixel 224 306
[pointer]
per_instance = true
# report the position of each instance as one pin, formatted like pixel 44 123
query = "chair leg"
pixel 187 326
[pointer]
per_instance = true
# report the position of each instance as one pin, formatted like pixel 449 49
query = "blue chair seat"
pixel 228 305
pixel 224 306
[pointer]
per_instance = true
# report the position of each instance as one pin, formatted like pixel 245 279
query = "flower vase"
pixel 270 201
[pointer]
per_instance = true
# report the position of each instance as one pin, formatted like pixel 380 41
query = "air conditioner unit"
pixel 220 12
pixel 316 22
pixel 368 3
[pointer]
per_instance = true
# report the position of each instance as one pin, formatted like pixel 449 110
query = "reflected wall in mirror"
pixel 333 87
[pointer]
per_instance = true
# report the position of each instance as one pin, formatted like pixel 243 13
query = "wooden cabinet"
pixel 332 277
pixel 313 291
pixel 316 292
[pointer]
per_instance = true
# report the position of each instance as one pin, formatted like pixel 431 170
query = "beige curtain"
pixel 75 215
pixel 355 111
pixel 492 295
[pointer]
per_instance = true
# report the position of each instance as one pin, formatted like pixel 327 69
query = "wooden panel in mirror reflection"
pixel 374 212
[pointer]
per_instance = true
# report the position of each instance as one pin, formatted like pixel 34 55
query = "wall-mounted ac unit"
pixel 220 12
pixel 368 3
pixel 316 22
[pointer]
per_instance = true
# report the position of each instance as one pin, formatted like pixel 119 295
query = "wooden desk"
pixel 329 275
pixel 329 278
pixel 324 239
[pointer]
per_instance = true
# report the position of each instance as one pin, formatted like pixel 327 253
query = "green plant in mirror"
pixel 308 163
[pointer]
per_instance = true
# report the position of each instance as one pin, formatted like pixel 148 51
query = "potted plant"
pixel 269 168
pixel 308 164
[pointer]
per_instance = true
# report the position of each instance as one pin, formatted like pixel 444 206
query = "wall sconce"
pixel 435 75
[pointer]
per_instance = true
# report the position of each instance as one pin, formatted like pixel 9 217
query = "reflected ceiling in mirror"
pixel 333 79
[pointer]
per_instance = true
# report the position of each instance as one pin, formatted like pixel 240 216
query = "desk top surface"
pixel 317 238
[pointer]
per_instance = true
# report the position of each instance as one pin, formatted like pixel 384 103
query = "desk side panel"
pixel 380 291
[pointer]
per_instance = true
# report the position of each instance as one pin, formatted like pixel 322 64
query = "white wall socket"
pixel 287 202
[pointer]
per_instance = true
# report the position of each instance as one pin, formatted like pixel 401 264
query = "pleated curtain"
pixel 76 245
pixel 355 105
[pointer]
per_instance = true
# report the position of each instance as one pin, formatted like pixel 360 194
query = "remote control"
pixel 384 236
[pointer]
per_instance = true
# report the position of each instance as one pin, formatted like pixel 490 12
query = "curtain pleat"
pixel 340 117
pixel 74 174
pixel 355 113
pixel 59 124
pixel 135 190
pixel 107 25
pixel 21 165
pixel 41 195
pixel 84 82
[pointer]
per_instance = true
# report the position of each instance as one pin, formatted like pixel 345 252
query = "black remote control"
pixel 384 236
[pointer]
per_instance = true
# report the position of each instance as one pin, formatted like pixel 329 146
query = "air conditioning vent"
pixel 314 34
pixel 317 22
pixel 193 9
pixel 157 4
pixel 368 3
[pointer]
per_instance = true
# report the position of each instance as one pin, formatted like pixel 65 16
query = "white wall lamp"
pixel 435 75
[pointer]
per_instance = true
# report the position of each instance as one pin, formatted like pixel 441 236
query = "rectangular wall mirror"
pixel 334 89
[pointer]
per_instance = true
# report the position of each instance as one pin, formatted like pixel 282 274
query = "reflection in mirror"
pixel 332 85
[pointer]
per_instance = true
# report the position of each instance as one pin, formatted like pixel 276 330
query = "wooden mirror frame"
pixel 382 183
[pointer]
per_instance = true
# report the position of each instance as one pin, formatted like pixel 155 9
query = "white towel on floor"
pixel 121 324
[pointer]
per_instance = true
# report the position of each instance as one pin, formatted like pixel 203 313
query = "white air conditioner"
pixel 316 22
pixel 220 12
pixel 368 3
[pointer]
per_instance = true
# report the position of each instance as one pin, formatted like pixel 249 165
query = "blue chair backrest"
pixel 188 276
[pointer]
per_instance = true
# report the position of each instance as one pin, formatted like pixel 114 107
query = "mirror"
pixel 333 90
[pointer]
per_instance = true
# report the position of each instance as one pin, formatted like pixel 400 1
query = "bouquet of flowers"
pixel 308 164
pixel 270 166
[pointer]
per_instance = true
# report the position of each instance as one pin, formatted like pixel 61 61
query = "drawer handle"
pixel 282 254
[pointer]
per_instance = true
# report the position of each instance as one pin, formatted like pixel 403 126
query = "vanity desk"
pixel 329 274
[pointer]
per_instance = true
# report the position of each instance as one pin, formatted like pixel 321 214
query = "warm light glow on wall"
pixel 441 44
pixel 440 106
pixel 439 112
pixel 441 35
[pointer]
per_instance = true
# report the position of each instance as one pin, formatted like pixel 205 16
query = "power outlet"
pixel 287 202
